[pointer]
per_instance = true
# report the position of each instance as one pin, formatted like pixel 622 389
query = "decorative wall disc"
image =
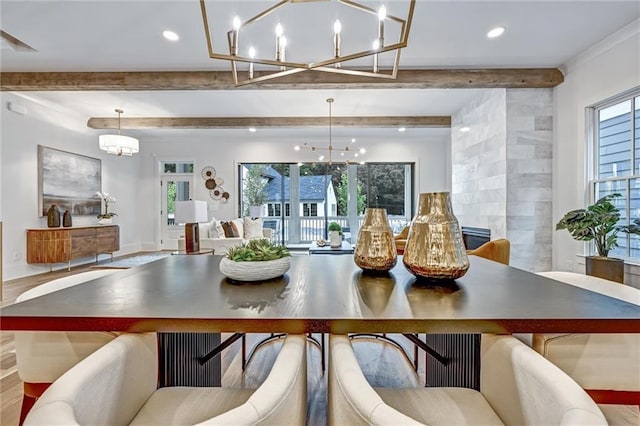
pixel 208 173
pixel 216 193
pixel 219 180
pixel 211 183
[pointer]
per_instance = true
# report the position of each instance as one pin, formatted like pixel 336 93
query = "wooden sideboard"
pixel 56 245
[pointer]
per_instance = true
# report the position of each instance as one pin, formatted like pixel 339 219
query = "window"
pixel 307 196
pixel 309 209
pixel 616 135
pixel 273 209
pixel 177 167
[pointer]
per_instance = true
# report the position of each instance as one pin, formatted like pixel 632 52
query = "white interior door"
pixel 174 188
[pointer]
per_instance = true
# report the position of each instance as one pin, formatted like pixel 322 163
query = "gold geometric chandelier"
pixel 334 62
pixel 330 149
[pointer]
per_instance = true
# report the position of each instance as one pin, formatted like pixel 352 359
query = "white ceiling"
pixel 103 35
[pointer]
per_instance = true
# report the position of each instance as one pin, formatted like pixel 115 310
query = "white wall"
pixel 57 127
pixel 605 70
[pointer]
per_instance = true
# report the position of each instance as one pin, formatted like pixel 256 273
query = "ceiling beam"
pixel 264 122
pixel 222 80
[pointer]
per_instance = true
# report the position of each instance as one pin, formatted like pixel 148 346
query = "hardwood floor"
pixel 383 364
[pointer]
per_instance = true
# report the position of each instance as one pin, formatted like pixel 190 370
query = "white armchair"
pixel 42 357
pixel 606 365
pixel 517 387
pixel 116 385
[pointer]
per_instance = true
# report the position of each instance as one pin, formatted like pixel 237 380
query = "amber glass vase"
pixel 375 249
pixel 435 249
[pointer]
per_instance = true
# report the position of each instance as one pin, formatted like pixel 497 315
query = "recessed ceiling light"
pixel 496 32
pixel 353 140
pixel 402 129
pixel 464 129
pixel 252 129
pixel 170 35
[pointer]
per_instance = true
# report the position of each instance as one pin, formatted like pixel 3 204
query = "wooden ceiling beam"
pixel 221 80
pixel 265 122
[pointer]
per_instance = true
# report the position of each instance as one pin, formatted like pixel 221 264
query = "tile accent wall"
pixel 502 170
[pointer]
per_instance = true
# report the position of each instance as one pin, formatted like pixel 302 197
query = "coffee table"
pixel 345 248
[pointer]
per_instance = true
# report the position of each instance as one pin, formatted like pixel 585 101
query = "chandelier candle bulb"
pixel 283 47
pixel 337 28
pixel 234 35
pixel 376 46
pixel 382 14
pixel 252 54
pixel 278 40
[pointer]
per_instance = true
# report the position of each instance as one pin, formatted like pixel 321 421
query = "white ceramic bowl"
pixel 254 271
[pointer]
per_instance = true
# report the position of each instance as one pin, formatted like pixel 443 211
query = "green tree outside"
pixel 342 191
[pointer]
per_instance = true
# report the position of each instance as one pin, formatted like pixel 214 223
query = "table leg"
pixel 180 357
pixel 462 352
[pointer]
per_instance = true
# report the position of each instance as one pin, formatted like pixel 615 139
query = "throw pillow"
pixel 238 224
pixel 216 231
pixel 252 228
pixel 229 232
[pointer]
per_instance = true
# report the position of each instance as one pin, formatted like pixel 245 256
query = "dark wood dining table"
pixel 328 294
pixel 322 294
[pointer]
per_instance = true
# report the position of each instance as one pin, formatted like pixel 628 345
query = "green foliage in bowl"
pixel 257 250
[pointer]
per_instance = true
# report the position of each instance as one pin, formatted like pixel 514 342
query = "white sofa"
pixel 212 236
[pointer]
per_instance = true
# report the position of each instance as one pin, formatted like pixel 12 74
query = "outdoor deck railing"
pixel 313 228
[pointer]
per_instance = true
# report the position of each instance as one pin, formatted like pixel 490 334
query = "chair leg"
pixel 30 393
pixel 27 403
pixel 244 351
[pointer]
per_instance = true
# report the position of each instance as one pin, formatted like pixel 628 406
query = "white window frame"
pixel 593 138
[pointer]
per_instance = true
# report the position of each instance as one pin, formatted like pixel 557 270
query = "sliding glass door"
pixel 298 201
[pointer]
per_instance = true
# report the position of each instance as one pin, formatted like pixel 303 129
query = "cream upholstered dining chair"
pixel 42 357
pixel 517 387
pixel 116 385
pixel 606 365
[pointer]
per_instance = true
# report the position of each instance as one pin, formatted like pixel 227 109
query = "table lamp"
pixel 190 213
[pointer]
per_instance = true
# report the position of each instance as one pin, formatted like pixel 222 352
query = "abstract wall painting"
pixel 69 181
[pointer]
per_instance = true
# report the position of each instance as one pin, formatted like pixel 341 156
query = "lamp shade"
pixel 191 211
pixel 119 144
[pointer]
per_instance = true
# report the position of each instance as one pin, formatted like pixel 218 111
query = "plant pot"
pixel 105 221
pixel 255 211
pixel 335 239
pixel 254 271
pixel 609 268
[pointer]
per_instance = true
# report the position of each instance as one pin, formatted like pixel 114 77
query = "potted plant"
pixel 256 260
pixel 599 223
pixel 335 234
pixel 254 190
pixel 106 217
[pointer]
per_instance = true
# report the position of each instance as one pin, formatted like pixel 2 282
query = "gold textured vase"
pixel 435 249
pixel 375 249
